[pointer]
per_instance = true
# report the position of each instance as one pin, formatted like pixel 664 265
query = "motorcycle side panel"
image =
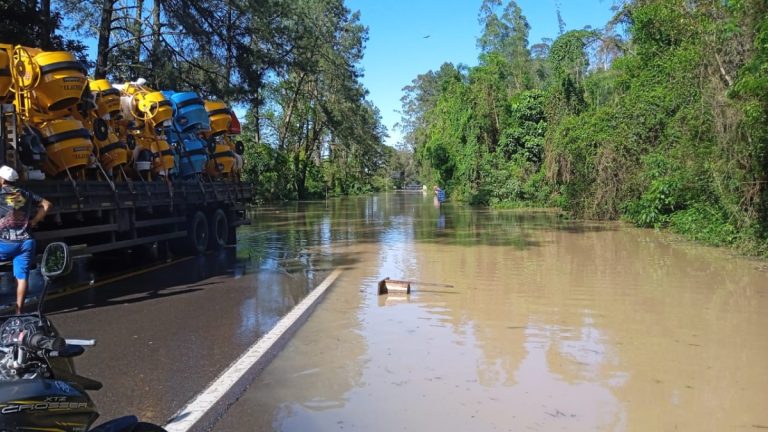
pixel 45 404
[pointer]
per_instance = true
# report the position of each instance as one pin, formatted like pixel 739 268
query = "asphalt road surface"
pixel 164 334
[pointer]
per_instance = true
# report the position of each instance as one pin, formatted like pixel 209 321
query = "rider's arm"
pixel 45 205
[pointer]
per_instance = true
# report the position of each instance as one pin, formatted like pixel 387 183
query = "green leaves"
pixel 320 127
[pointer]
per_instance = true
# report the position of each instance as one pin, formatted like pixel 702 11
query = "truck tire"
pixel 197 238
pixel 197 233
pixel 219 230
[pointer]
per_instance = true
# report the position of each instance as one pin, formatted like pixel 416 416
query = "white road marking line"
pixel 185 419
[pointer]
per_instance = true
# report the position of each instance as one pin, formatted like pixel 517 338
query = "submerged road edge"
pixel 203 411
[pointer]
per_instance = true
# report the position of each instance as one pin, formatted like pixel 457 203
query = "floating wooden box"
pixel 388 285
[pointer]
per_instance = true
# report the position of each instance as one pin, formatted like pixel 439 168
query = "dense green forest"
pixel 658 118
pixel 293 66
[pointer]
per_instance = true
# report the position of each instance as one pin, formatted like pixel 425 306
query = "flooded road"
pixel 548 325
pixel 518 320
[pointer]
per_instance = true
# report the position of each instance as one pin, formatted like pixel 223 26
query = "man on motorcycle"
pixel 16 207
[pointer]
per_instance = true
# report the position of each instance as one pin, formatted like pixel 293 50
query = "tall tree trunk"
pixel 137 30
pixel 300 175
pixel 154 56
pixel 287 117
pixel 46 27
pixel 105 30
pixel 156 26
pixel 255 108
pixel 229 43
pixel 256 101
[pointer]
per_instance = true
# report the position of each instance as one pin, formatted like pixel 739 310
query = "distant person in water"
pixel 439 195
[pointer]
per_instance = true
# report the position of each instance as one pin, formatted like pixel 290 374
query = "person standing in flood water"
pixel 439 195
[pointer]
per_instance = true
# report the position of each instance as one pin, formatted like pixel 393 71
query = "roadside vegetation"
pixel 659 118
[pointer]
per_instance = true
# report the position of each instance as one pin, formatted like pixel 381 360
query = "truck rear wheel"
pixel 219 230
pixel 196 241
pixel 198 233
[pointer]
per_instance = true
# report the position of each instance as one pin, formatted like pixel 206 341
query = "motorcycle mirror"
pixel 56 260
pixel 239 148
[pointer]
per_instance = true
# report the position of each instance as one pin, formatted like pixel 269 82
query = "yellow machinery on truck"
pixel 45 86
pixel 102 120
pixel 145 112
pixel 57 125
pixel 222 156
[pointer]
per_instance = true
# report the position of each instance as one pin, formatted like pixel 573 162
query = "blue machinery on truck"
pixel 123 165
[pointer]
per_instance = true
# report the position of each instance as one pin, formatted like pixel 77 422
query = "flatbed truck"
pixel 192 216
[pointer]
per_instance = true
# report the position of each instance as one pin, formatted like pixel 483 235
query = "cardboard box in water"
pixel 393 299
pixel 388 285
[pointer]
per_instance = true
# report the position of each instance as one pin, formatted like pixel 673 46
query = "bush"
pixel 706 224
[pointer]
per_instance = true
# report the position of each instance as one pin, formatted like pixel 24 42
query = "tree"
pixel 33 24
pixel 316 111
pixel 507 34
pixel 569 63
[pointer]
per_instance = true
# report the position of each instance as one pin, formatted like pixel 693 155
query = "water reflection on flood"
pixel 549 325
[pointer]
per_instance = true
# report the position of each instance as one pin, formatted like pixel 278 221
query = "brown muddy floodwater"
pixel 549 325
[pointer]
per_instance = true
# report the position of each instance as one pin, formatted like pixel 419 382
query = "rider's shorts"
pixel 21 252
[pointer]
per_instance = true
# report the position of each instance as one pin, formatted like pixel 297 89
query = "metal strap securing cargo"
pixel 108 148
pixel 188 102
pixel 200 151
pixel 219 111
pixel 110 92
pixel 65 65
pixel 77 133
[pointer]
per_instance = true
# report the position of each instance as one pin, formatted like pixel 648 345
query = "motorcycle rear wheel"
pixel 147 427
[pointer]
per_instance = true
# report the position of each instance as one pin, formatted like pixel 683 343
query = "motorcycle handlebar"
pixel 68 351
pixel 81 342
pixel 41 341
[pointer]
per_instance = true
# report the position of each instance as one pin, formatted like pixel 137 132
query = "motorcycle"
pixel 39 388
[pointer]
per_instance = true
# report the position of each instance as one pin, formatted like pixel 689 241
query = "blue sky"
pixel 397 51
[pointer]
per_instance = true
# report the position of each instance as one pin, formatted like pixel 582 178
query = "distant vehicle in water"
pixel 412 187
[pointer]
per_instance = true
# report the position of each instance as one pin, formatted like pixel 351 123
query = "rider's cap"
pixel 8 174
